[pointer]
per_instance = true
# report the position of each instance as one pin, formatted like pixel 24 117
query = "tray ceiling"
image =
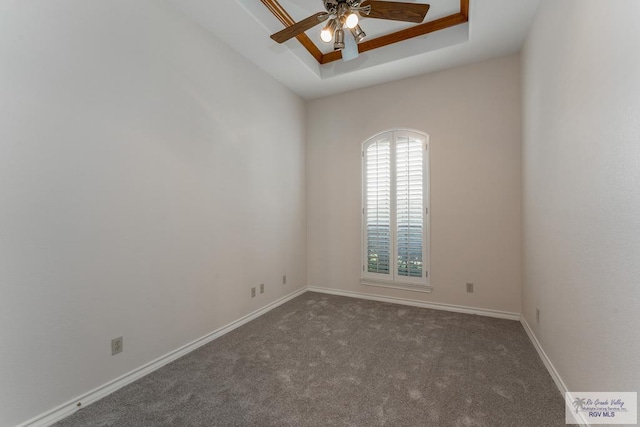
pixel 494 28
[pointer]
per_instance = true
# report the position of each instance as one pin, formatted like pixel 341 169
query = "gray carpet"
pixel 322 360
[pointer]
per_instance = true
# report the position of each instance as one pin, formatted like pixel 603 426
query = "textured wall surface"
pixel 472 116
pixel 581 182
pixel 148 177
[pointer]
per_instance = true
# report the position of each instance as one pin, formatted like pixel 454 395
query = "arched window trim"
pixel 393 279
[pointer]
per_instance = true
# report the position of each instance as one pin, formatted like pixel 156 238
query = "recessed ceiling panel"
pixel 300 9
pixel 380 32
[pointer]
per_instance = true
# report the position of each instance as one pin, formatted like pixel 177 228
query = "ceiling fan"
pixel 343 14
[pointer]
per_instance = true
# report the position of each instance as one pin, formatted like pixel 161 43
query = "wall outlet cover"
pixel 116 346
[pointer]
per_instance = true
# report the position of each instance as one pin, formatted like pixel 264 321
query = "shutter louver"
pixel 378 206
pixel 409 206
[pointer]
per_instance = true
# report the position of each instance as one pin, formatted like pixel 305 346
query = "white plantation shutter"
pixel 378 206
pixel 409 205
pixel 394 200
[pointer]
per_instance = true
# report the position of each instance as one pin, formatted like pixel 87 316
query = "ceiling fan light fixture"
pixel 327 32
pixel 339 39
pixel 352 20
pixel 358 34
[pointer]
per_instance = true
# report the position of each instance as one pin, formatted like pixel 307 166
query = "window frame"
pixel 393 280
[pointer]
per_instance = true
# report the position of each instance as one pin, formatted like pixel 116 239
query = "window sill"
pixel 395 285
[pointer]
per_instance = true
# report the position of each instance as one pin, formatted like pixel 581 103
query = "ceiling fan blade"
pixel 397 11
pixel 300 27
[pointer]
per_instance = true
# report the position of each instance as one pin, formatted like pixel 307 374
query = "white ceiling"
pixel 496 28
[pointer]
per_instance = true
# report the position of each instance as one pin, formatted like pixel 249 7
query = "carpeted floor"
pixel 322 360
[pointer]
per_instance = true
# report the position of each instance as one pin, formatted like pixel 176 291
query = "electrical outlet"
pixel 253 292
pixel 116 346
pixel 262 288
pixel 284 279
pixel 537 315
pixel 470 288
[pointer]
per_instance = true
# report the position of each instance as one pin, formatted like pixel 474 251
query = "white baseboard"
pixel 70 407
pixel 418 303
pixel 552 370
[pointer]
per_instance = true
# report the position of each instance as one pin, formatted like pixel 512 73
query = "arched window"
pixel 395 196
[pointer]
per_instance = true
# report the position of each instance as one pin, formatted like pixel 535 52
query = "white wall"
pixel 148 177
pixel 581 190
pixel 472 115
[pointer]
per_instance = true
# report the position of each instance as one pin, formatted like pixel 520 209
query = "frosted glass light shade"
pixel 352 20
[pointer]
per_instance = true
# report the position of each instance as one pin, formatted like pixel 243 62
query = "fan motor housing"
pixel 332 5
